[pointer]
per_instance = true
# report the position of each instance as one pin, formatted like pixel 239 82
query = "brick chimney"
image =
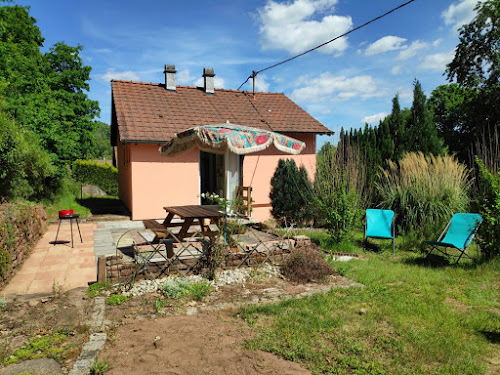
pixel 208 79
pixel 169 77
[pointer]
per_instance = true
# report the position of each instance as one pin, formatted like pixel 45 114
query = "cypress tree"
pixel 422 132
pixel 290 193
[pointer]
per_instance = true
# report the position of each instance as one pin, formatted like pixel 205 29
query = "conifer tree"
pixel 421 130
pixel 290 193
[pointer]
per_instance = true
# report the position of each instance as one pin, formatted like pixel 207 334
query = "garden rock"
pixel 46 366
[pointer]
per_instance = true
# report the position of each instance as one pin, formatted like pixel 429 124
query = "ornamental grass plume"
pixel 424 191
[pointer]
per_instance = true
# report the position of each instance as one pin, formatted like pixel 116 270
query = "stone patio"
pixel 53 267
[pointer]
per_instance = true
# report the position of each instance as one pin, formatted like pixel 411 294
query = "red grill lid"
pixel 64 213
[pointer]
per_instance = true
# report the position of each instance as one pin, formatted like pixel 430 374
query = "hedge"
pixel 94 173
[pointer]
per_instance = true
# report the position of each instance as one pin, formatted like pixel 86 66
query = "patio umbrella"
pixel 238 139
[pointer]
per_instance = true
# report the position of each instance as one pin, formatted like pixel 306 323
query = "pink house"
pixel 147 115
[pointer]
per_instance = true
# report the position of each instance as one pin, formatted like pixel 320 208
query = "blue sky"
pixel 344 84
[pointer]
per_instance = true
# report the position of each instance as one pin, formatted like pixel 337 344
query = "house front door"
pixel 219 174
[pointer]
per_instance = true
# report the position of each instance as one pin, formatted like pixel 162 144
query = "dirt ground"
pixel 210 343
pixel 68 312
pixel 185 337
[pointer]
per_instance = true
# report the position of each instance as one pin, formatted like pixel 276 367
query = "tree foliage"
pixel 490 210
pixel 45 105
pixel 477 56
pixel 291 193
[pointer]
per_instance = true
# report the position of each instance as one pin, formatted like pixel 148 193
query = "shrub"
pixel 175 288
pixel 424 192
pixel 339 186
pixel 291 193
pixel 26 169
pixel 198 291
pixel 92 172
pixel 305 265
pixel 489 202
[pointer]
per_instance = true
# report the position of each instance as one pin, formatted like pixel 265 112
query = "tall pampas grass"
pixel 424 191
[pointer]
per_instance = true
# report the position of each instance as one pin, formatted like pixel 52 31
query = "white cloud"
pixel 385 44
pixel 396 69
pixel 111 74
pixel 329 87
pixel 412 50
pixel 437 61
pixel 218 82
pixel 374 119
pixel 292 27
pixel 261 83
pixel 459 13
pixel 183 77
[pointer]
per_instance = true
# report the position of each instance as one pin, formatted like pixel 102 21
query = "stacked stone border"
pixel 115 268
pixel 21 226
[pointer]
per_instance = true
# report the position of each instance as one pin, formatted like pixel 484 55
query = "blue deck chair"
pixel 380 224
pixel 459 234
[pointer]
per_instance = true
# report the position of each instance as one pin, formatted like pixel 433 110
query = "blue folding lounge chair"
pixel 380 224
pixel 459 234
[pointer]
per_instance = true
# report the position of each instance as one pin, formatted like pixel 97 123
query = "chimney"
pixel 208 79
pixel 169 77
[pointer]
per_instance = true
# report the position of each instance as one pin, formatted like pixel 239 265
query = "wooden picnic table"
pixel 193 215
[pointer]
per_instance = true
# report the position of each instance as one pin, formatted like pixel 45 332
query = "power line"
pixel 254 73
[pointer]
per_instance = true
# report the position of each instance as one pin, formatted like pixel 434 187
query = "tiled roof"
pixel 147 112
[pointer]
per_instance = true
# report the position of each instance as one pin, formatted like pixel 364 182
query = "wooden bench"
pixel 161 232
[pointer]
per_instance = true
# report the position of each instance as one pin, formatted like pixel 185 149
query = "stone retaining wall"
pixel 115 269
pixel 21 226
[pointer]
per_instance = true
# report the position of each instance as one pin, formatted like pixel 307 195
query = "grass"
pixel 116 299
pixel 411 318
pixel 48 346
pixel 95 289
pixel 175 289
pixel 99 368
pixel 69 198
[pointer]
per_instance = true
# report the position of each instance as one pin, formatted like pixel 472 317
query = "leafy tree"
pixel 102 146
pixel 451 106
pixel 477 56
pixel 26 170
pixel 46 92
pixel 290 193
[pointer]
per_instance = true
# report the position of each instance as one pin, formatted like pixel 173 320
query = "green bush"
pixel 338 184
pixel 92 172
pixel 291 193
pixel 26 169
pixel 198 291
pixel 424 192
pixel 489 202
pixel 175 289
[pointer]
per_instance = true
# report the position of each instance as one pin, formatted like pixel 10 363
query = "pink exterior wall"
pixel 158 181
pixel 149 181
pixel 259 168
pixel 124 175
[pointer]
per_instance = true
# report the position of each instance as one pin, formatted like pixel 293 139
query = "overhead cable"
pixel 254 73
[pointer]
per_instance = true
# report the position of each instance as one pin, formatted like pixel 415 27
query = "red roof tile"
pixel 147 112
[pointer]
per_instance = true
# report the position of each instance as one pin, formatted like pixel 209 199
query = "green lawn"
pixel 411 318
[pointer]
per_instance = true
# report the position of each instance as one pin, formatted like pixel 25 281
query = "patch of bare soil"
pixel 200 344
pixel 23 320
pixel 200 337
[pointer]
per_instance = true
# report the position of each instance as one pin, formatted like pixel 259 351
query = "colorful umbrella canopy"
pixel 238 139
